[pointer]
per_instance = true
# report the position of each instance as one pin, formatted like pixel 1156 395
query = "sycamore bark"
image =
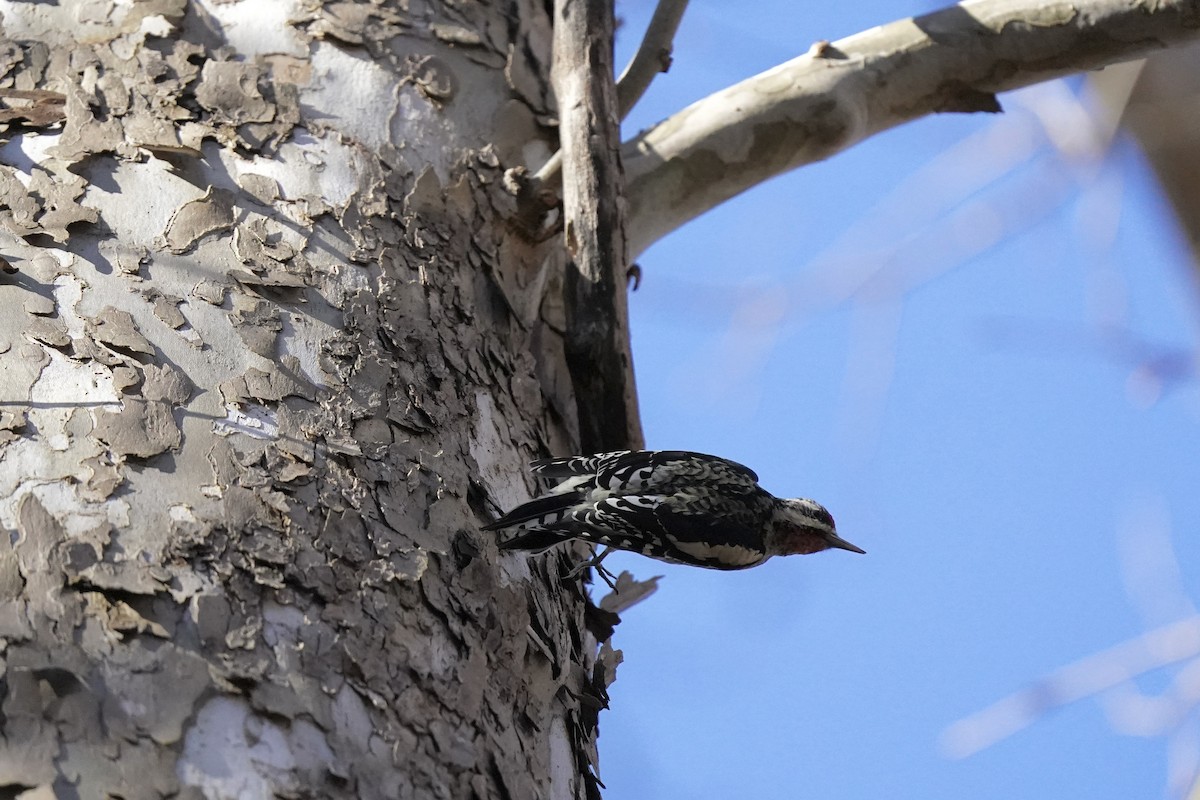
pixel 271 351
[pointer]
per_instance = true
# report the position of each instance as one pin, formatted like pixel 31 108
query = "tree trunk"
pixel 274 345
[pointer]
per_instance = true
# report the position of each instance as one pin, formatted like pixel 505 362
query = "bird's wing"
pixel 621 462
pixel 655 471
pixel 675 528
pixel 724 531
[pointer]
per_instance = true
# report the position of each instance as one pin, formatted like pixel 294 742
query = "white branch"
pixel 653 55
pixel 1178 641
pixel 821 103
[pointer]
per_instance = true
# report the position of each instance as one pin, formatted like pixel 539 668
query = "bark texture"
pixel 271 352
pixel 596 316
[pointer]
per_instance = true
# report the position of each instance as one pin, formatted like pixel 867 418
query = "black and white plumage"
pixel 673 505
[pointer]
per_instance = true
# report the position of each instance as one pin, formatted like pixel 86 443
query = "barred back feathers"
pixel 673 505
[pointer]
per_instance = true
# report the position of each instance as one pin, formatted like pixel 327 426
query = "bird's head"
pixel 804 526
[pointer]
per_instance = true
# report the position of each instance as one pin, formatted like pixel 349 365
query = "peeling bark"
pixel 266 368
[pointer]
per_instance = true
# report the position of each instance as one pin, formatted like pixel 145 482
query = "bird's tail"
pixel 536 539
pixel 541 510
pixel 547 509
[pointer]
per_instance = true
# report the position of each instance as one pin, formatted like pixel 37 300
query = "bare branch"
pixel 837 94
pixel 597 335
pixel 1169 644
pixel 653 55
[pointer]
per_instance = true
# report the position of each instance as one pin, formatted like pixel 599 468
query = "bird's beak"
pixel 840 543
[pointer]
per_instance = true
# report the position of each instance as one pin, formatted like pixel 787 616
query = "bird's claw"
pixel 594 563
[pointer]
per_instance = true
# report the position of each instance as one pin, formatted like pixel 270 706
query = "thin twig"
pixel 550 172
pixel 653 55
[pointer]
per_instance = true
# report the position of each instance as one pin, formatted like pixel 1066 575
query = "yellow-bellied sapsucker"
pixel 673 505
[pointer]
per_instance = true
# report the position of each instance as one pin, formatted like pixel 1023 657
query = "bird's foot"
pixel 594 563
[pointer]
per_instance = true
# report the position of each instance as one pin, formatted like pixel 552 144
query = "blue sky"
pixel 978 416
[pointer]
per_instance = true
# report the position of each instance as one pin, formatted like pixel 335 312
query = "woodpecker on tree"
pixel 673 505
